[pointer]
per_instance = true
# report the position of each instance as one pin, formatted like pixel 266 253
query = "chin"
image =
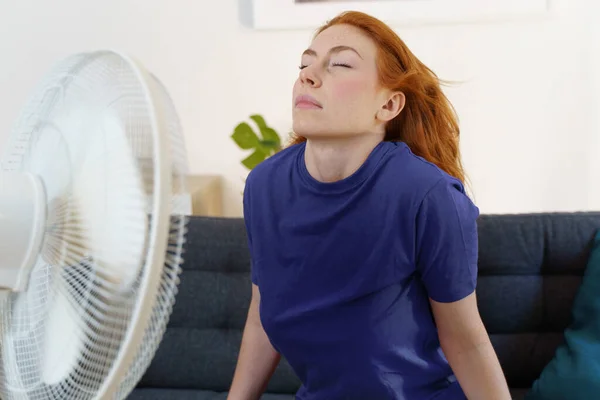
pixel 307 129
pixel 315 128
pixel 300 126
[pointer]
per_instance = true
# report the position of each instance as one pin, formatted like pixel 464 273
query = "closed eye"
pixel 301 67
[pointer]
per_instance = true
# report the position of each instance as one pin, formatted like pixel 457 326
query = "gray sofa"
pixel 530 269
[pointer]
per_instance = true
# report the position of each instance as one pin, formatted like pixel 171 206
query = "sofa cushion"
pixel 200 347
pixel 574 372
pixel 175 394
pixel 530 267
pixel 518 394
pixel 182 394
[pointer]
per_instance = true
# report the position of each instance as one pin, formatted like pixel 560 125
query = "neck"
pixel 331 160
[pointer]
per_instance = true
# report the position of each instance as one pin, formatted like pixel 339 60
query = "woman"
pixel 363 241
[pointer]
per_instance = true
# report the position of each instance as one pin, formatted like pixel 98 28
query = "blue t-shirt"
pixel 345 271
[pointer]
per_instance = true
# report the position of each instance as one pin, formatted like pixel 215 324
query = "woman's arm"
pixel 468 349
pixel 257 360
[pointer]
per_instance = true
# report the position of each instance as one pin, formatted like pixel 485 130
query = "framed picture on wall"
pixel 310 14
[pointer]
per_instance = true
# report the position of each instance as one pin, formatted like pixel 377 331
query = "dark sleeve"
pixel 447 242
pixel 248 223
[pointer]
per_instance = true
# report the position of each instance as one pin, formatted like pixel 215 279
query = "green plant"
pixel 264 145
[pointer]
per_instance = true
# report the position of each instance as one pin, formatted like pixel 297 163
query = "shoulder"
pixel 407 173
pixel 416 173
pixel 448 196
pixel 421 182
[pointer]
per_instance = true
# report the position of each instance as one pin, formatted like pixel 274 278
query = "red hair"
pixel 428 123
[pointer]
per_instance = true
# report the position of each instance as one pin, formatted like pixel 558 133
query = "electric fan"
pixel 92 226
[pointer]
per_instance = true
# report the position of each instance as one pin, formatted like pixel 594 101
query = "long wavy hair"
pixel 428 123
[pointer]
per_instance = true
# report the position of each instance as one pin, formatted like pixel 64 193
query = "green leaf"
pixel 254 159
pixel 244 137
pixel 268 145
pixel 268 134
pixel 265 145
pixel 259 121
pixel 269 148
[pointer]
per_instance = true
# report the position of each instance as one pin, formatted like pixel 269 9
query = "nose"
pixel 309 77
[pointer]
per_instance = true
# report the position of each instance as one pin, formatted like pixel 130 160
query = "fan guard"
pixel 92 196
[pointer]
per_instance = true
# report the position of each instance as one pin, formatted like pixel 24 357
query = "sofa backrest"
pixel 530 267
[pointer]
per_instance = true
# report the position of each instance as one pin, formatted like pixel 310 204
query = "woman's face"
pixel 337 93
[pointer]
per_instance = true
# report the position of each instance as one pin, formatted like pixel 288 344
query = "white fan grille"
pixel 87 134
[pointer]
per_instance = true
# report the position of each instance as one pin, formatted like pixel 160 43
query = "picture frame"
pixel 310 14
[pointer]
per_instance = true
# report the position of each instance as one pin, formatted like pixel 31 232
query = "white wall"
pixel 593 41
pixel 528 102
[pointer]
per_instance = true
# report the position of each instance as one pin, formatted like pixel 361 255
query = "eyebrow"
pixel 333 50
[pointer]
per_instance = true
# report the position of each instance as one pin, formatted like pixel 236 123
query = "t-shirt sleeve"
pixel 248 223
pixel 447 242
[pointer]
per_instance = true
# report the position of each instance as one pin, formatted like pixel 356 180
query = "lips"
pixel 306 101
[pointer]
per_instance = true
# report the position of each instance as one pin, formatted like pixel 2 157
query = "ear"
pixel 392 107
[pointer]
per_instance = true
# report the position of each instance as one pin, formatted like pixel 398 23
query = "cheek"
pixel 349 88
pixel 352 93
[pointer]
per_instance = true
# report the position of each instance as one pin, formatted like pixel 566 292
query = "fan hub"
pixel 22 223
